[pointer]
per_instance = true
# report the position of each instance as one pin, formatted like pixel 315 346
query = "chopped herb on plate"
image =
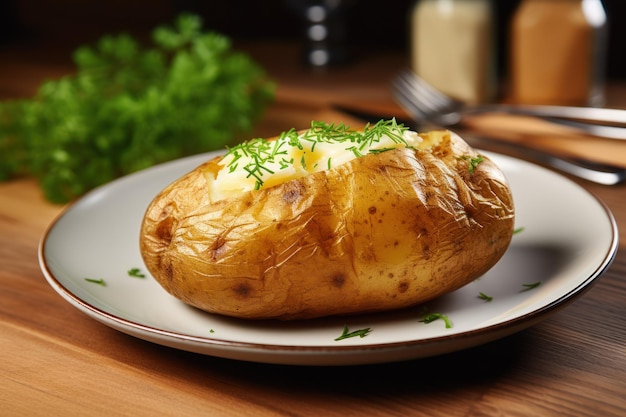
pixel 348 334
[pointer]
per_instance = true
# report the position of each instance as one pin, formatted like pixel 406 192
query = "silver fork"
pixel 425 104
pixel 428 106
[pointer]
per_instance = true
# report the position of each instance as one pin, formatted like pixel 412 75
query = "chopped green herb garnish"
pixel 356 151
pixel 377 151
pixel 99 281
pixel 485 297
pixel 260 152
pixel 531 286
pixel 473 161
pixel 348 334
pixel 518 230
pixel 136 272
pixel 430 317
pixel 211 331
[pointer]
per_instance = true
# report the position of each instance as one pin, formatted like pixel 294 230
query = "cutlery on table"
pixel 582 168
pixel 425 103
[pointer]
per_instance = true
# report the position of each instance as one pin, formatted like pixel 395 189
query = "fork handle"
pixel 569 116
pixel 610 132
pixel 591 114
pixel 589 170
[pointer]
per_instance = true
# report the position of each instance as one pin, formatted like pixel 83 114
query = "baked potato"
pixel 329 221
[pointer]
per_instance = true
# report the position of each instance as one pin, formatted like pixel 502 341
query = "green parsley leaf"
pixel 347 333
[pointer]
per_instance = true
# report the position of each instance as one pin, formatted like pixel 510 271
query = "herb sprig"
pixel 346 334
pixel 532 286
pixel 136 272
pixel 129 107
pixel 474 161
pixel 430 317
pixel 98 281
pixel 485 297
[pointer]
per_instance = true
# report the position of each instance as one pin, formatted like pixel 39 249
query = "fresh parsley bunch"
pixel 129 107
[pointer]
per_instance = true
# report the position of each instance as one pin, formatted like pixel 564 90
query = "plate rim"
pixel 231 349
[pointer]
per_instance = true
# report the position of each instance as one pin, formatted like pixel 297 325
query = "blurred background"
pixel 369 25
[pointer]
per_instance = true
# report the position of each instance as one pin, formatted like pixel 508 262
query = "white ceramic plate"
pixel 569 239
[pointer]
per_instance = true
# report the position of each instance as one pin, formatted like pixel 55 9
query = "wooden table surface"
pixel 54 360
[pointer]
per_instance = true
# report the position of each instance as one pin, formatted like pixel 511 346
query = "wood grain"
pixel 56 361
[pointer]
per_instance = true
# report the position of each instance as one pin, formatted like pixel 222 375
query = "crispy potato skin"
pixel 381 232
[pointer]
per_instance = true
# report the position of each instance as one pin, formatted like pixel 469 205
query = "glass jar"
pixel 452 47
pixel 558 52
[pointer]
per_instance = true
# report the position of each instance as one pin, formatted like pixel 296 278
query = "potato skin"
pixel 381 232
